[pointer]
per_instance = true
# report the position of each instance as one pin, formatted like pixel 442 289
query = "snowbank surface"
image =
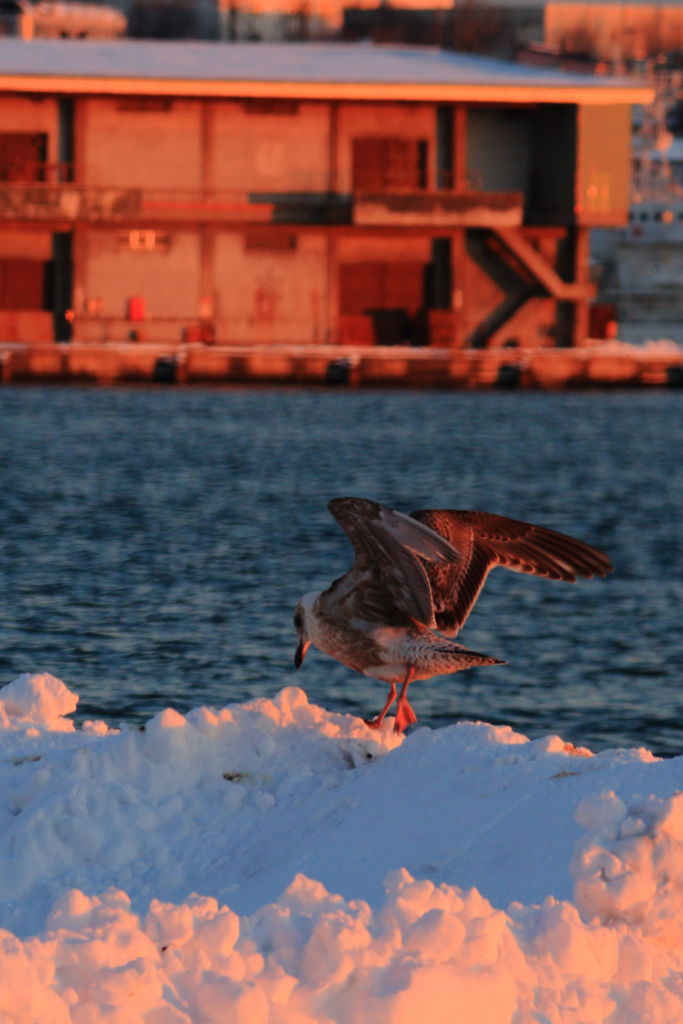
pixel 272 863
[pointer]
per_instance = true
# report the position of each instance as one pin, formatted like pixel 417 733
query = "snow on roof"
pixel 311 70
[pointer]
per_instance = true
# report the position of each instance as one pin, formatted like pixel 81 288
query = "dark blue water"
pixel 153 544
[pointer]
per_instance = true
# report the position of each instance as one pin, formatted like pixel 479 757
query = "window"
pixel 22 156
pixel 265 239
pixel 370 286
pixel 383 164
pixel 266 106
pixel 144 240
pixel 145 103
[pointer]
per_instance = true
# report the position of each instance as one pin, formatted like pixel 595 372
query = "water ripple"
pixel 153 544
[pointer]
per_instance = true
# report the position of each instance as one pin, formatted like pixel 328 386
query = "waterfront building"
pixel 250 194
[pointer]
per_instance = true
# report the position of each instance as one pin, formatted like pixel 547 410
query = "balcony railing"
pixel 42 201
pixel 39 201
pixel 441 208
pixel 36 170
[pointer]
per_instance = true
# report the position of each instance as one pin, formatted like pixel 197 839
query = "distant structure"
pixel 594 31
pixel 275 20
pixel 491 27
pixel 265 193
pixel 61 19
pixel 618 33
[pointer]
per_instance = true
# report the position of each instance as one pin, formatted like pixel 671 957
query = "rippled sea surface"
pixel 154 542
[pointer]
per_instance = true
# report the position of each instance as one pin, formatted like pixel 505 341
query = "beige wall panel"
pixel 151 148
pixel 393 248
pixel 269 295
pixel 355 120
pixel 269 152
pixel 168 281
pixel 30 245
pixel 603 178
pixel 19 114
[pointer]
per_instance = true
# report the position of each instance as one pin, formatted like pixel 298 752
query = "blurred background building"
pixel 635 266
pixel 302 193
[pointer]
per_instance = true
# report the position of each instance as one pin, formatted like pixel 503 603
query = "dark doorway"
pixel 391 294
pixel 439 286
pixel 59 284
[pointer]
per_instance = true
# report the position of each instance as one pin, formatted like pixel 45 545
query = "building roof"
pixel 293 70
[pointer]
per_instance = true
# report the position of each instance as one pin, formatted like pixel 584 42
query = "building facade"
pixel 264 194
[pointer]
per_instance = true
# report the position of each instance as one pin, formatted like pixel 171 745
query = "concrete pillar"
pixel 581 261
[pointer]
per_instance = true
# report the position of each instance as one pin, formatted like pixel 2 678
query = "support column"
pixel 444 147
pixel 460 148
pixel 207 298
pixel 459 238
pixel 333 147
pixel 331 333
pixel 581 260
pixel 458 260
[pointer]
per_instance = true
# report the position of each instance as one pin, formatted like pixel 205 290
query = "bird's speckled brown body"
pixel 413 574
pixel 389 652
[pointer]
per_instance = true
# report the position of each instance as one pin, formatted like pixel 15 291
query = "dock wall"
pixel 613 364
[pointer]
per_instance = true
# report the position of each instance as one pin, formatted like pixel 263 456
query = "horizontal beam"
pixel 506 94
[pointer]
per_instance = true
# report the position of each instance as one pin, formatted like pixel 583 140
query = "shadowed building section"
pixel 302 193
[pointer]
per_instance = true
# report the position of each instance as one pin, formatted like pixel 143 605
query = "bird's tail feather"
pixel 466 657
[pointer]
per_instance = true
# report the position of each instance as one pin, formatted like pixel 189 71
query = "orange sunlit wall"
pixel 321 211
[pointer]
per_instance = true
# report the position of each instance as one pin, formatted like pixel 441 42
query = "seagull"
pixel 414 581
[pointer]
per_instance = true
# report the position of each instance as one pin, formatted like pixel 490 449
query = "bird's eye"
pixel 298 621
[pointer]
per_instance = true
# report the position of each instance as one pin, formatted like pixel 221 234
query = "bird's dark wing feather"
pixel 388 583
pixel 485 540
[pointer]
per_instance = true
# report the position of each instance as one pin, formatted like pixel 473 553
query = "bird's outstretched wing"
pixel 388 583
pixel 485 540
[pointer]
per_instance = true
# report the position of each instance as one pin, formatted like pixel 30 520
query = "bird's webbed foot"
pixel 376 722
pixel 405 715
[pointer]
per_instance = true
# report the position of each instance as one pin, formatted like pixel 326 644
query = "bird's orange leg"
pixel 376 722
pixel 405 715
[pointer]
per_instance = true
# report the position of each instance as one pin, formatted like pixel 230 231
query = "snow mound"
pixel 274 863
pixel 313 957
pixel 629 867
pixel 38 702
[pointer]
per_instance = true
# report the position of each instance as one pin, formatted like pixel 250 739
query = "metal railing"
pixel 39 201
pixel 72 202
pixel 25 171
pixel 43 201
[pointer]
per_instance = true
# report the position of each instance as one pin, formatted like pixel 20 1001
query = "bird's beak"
pixel 304 644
